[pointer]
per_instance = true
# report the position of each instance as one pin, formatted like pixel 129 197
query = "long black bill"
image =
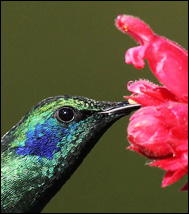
pixel 123 108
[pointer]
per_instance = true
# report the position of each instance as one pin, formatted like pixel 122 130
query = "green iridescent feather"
pixel 41 152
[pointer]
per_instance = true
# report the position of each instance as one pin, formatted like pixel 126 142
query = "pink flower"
pixel 159 130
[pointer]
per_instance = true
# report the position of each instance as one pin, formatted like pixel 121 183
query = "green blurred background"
pixel 53 48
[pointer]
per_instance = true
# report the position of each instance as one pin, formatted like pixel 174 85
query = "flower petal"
pixel 159 131
pixel 149 94
pixel 171 177
pixel 169 63
pixel 172 163
pixel 135 28
pixel 185 187
pixel 167 60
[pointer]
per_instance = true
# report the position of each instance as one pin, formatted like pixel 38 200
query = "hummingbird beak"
pixel 119 108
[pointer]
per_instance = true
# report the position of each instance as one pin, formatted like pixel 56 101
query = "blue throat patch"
pixel 42 140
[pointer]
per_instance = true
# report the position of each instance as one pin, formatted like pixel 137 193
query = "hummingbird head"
pixel 51 141
pixel 62 125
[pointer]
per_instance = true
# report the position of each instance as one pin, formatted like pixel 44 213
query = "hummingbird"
pixel 42 151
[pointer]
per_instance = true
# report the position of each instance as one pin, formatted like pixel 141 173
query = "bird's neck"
pixel 34 180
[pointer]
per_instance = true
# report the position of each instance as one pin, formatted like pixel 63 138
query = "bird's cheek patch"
pixel 42 141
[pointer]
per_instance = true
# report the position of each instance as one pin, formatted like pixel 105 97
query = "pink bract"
pixel 159 130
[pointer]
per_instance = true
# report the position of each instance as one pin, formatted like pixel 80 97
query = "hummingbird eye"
pixel 65 114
